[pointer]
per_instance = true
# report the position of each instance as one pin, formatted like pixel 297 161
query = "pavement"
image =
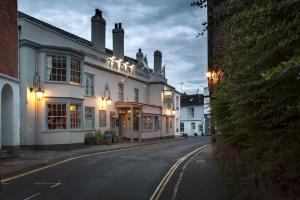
pixel 127 173
pixel 198 178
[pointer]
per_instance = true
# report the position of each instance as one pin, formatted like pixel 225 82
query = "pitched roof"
pixel 192 100
pixel 68 34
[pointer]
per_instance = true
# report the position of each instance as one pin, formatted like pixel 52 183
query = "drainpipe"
pixel 36 106
pixel 131 124
pixel 140 125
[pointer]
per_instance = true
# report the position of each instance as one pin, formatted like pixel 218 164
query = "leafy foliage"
pixel 257 104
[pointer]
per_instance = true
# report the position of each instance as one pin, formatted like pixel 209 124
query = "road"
pixel 128 174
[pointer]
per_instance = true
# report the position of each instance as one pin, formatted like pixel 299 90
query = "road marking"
pixel 180 177
pixel 57 184
pixel 159 189
pixel 77 157
pixel 32 196
pixel 53 184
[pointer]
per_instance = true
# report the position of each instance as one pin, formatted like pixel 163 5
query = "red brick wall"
pixel 8 38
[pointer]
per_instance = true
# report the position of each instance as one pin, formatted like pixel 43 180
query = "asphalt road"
pixel 128 174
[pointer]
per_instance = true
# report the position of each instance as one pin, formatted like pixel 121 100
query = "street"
pixel 127 174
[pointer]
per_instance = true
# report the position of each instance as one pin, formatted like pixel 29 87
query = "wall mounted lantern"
pixel 37 87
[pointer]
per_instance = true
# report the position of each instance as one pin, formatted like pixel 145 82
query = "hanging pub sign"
pixel 168 95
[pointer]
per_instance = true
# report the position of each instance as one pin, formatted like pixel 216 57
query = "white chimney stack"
pixel 118 41
pixel 98 31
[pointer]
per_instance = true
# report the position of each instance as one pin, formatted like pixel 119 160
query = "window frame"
pixel 80 70
pixel 148 129
pixel 47 68
pixel 68 102
pixel 47 116
pixel 92 76
pixel 100 124
pixel 192 113
pixel 136 95
pixel 121 92
pixel 93 117
pixel 69 58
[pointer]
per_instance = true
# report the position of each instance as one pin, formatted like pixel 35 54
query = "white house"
pixel 192 114
pixel 207 114
pixel 88 87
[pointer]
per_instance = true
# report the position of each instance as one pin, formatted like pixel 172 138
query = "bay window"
pixel 57 116
pixel 75 115
pixel 64 115
pixel 63 68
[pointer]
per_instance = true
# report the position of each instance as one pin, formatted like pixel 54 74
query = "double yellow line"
pixel 160 188
pixel 5 180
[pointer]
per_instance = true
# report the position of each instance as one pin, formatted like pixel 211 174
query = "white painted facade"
pixel 9 109
pixel 39 42
pixel 191 124
pixel 207 112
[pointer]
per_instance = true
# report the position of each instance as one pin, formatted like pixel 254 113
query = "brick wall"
pixel 8 38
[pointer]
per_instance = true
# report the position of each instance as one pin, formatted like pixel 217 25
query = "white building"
pixel 88 87
pixel 207 113
pixel 192 114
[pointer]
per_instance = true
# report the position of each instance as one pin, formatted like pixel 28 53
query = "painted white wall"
pixel 197 119
pixel 31 56
pixel 14 138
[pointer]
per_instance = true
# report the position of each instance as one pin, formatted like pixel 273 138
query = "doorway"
pixel 6 116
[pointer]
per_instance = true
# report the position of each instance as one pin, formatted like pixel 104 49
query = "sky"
pixel 170 26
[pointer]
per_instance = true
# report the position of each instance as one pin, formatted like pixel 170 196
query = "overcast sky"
pixel 167 25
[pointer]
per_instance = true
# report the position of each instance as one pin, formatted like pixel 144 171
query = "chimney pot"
pixel 120 25
pixel 98 12
pixel 116 26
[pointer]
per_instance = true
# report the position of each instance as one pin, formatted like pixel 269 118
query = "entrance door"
pixel 6 116
pixel 167 124
pixel 122 125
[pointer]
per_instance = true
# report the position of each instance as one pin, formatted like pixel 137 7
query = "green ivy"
pixel 257 104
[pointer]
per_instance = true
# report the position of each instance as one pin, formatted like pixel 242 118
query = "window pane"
pixel 75 71
pixel 148 123
pixel 75 115
pixel 56 118
pixel 56 68
pixel 89 118
pixel 89 84
pixel 102 118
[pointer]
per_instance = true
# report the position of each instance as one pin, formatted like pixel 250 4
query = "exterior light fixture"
pixel 173 111
pixel 37 87
pixel 208 74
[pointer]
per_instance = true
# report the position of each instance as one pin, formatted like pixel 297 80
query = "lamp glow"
pixel 39 94
pixel 208 74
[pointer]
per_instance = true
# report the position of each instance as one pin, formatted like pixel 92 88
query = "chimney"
pixel 157 61
pixel 139 55
pixel 118 41
pixel 98 31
